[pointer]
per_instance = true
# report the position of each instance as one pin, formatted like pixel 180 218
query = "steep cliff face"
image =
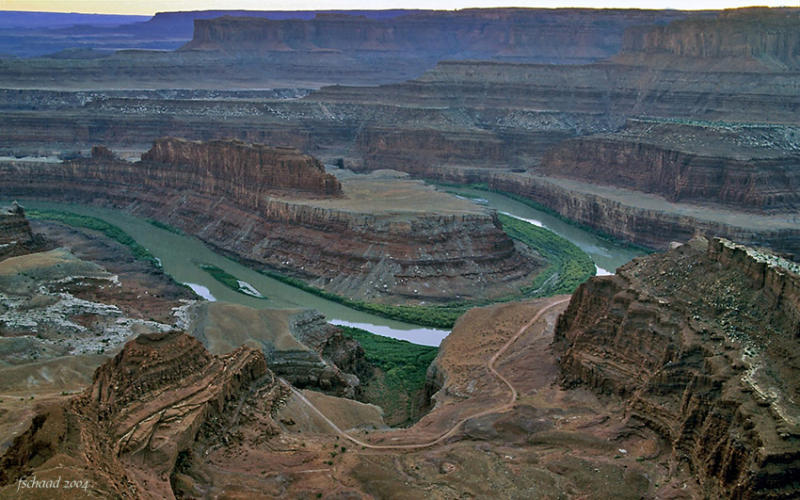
pixel 245 172
pixel 701 344
pixel 713 167
pixel 157 398
pixel 770 38
pixel 16 236
pixel 552 36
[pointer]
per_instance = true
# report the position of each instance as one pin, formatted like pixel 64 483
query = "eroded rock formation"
pixel 244 172
pixel 745 167
pixel 16 236
pixel 701 344
pixel 754 38
pixel 157 398
pixel 532 35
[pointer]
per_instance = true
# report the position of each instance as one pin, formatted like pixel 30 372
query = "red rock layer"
pixel 385 257
pixel 553 36
pixel 246 172
pixel 154 400
pixel 702 344
pixel 16 237
pixel 678 175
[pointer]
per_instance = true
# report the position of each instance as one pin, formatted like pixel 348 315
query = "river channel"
pixel 180 255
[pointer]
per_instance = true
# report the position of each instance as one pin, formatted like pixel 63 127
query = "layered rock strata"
pixel 738 167
pixel 701 345
pixel 244 172
pixel 154 401
pixel 380 242
pixel 298 346
pixel 16 236
pixel 514 34
pixel 754 38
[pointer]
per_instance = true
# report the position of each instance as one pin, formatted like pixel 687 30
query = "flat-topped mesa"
pixel 245 172
pixel 747 39
pixel 534 35
pixel 702 344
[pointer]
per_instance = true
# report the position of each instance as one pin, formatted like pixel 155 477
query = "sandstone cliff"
pixel 739 167
pixel 156 399
pixel 701 345
pixel 533 35
pixel 753 39
pixel 16 236
pixel 245 172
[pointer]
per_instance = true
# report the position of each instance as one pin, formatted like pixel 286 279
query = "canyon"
pixel 380 237
pixel 527 129
pixel 299 146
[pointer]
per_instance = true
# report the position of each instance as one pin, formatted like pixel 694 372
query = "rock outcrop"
pixel 745 39
pixel 244 172
pixel 16 237
pixel 156 399
pixel 531 35
pixel 744 167
pixel 701 345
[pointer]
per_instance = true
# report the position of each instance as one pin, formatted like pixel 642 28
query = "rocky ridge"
pixel 156 399
pixel 700 344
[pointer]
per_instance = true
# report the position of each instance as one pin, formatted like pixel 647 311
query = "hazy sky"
pixel 151 6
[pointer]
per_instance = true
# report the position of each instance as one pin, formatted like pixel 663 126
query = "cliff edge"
pixel 701 343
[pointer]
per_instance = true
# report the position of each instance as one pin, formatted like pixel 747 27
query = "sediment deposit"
pixel 700 344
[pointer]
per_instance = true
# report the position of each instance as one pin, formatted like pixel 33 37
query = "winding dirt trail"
pixel 497 409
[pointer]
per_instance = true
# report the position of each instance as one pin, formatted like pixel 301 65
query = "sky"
pixel 149 7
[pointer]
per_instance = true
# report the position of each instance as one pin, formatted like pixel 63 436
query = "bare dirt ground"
pixel 501 426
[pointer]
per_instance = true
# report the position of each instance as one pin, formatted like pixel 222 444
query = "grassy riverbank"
pixel 95 224
pixel 404 366
pixel 568 266
pixel 433 316
pixel 231 281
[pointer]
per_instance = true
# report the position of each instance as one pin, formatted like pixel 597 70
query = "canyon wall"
pixel 769 182
pixel 701 345
pixel 742 37
pixel 245 172
pixel 533 35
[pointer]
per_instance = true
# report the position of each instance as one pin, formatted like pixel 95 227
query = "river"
pixel 180 254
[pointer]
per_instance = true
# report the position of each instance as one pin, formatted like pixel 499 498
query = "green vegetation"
pixel 166 227
pixel 542 208
pixel 404 364
pixel 443 316
pixel 230 281
pixel 93 223
pixel 568 265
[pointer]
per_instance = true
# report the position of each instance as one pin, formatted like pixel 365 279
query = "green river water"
pixel 180 256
